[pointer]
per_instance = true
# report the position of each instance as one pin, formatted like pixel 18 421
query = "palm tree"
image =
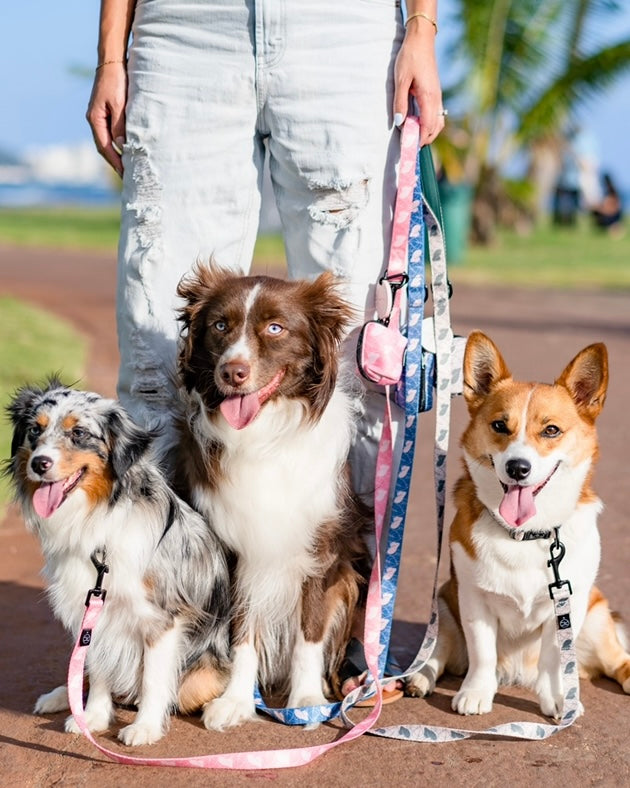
pixel 523 68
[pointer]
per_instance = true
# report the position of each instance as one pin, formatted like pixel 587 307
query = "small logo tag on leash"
pixel 86 637
pixel 564 622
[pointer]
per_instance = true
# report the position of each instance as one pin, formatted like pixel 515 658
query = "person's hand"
pixel 106 112
pixel 416 74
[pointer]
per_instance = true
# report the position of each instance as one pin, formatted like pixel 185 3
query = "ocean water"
pixel 35 193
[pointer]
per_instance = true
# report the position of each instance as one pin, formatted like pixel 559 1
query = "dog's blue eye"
pixel 78 432
pixel 221 325
pixel 500 427
pixel 275 328
pixel 35 431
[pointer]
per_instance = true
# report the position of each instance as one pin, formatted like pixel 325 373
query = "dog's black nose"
pixel 518 469
pixel 40 464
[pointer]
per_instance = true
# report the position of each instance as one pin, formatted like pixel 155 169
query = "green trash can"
pixel 456 200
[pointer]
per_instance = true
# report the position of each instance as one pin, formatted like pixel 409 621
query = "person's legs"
pixel 193 164
pixel 333 156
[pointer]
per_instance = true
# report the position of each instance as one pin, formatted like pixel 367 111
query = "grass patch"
pixel 78 228
pixel 579 257
pixel 568 258
pixel 33 345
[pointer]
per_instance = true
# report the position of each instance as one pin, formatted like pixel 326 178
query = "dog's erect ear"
pixel 128 442
pixel 484 367
pixel 586 380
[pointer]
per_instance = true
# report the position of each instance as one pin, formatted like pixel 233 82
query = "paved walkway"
pixel 538 331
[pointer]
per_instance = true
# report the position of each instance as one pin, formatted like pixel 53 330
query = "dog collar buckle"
pixel 101 570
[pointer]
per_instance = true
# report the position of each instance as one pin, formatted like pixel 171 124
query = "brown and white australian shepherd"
pixel 87 486
pixel 529 451
pixel 264 446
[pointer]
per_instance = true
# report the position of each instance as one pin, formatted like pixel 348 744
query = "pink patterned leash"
pixel 260 759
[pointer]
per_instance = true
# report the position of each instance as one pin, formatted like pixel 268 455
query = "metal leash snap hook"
pixel 385 294
pixel 101 570
pixel 554 563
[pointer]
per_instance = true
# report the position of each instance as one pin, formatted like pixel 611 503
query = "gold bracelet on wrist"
pixel 424 16
pixel 107 63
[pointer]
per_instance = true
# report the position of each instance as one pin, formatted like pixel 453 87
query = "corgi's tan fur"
pixel 529 451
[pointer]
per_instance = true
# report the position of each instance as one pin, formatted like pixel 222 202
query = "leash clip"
pixel 101 570
pixel 388 286
pixel 554 563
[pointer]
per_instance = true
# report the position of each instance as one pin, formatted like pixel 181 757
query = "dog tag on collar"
pixel 383 300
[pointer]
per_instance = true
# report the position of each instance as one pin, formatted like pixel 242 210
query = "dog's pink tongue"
pixel 47 498
pixel 240 411
pixel 517 505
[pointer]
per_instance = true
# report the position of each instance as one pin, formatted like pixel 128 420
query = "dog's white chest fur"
pixel 512 578
pixel 281 475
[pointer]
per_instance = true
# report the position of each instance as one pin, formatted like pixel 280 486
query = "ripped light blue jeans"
pixel 214 87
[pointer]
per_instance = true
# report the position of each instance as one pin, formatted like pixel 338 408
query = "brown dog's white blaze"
pixel 227 322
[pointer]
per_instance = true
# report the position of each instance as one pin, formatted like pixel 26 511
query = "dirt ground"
pixel 538 331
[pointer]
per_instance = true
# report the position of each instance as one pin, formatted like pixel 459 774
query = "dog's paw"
pixel 53 701
pixel 470 701
pixel 95 721
pixel 140 733
pixel 226 712
pixel 419 685
pixel 552 707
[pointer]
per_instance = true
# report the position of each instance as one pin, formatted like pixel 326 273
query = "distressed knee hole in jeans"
pixel 147 196
pixel 338 203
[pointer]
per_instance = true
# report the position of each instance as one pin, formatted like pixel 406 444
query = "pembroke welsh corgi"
pixel 529 451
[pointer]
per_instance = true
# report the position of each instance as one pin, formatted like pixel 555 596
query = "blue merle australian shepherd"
pixel 87 485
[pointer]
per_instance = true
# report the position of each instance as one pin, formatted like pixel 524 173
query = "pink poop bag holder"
pixel 381 345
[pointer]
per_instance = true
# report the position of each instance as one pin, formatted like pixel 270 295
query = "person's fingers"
pixel 99 123
pixel 431 117
pixel 106 114
pixel 401 100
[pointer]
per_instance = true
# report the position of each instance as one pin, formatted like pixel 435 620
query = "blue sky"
pixel 42 102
